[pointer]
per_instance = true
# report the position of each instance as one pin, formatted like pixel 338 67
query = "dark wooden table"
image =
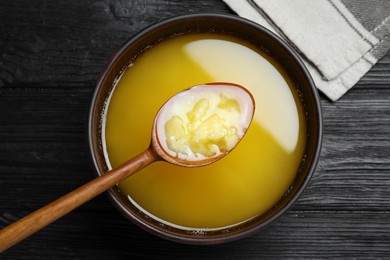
pixel 51 52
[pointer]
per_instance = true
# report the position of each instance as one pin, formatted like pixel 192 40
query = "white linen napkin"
pixel 338 40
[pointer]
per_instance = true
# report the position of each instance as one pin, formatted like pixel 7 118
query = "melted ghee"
pixel 249 180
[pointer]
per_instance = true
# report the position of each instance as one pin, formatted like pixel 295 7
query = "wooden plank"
pixel 296 235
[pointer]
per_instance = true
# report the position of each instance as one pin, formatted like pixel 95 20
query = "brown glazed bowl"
pixel 248 31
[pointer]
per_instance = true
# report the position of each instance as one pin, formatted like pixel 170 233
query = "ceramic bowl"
pixel 248 31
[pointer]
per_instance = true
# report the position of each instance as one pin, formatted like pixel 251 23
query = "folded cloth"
pixel 338 40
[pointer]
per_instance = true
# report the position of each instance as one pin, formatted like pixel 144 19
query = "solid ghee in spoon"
pixel 204 121
pixel 252 177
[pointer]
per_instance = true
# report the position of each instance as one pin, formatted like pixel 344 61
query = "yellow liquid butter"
pixel 244 184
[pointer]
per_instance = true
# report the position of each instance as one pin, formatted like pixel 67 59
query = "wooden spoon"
pixel 157 150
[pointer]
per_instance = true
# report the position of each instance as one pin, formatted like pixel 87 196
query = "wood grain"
pixel 25 227
pixel 50 55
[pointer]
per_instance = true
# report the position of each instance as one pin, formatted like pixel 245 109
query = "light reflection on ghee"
pixel 276 110
pixel 249 180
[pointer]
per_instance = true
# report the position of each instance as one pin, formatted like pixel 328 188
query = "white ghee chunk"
pixel 204 121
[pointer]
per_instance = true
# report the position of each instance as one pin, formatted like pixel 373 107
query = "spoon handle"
pixel 42 217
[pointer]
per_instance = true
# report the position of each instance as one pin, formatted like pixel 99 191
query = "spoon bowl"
pixel 159 141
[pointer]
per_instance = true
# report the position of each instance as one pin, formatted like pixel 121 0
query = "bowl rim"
pixel 310 171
